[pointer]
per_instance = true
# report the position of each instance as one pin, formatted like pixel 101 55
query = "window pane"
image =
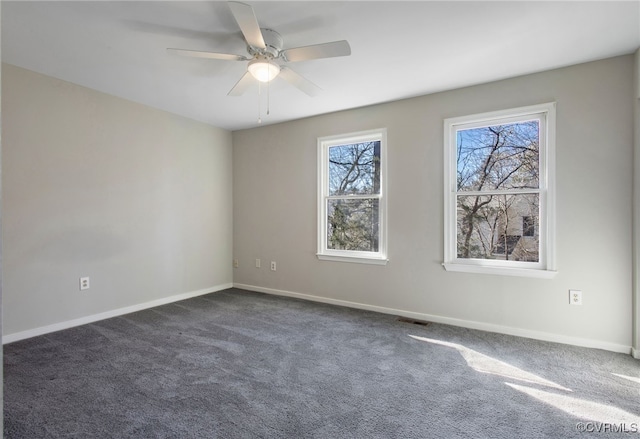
pixel 498 157
pixel 352 224
pixel 504 227
pixel 354 169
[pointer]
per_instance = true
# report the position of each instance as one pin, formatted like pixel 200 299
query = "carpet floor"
pixel 238 364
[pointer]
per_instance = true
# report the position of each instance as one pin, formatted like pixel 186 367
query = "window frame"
pixel 546 265
pixel 364 257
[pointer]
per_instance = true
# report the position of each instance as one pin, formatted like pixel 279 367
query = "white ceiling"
pixel 399 49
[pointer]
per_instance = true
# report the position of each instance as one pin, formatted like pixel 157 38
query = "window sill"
pixel 353 259
pixel 501 271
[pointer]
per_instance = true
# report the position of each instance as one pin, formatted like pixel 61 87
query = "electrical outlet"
pixel 575 297
pixel 84 283
pixel 257 263
pixel 273 265
pixel 235 263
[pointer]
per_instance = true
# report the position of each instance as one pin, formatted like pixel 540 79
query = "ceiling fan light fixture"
pixel 263 70
pixel 266 54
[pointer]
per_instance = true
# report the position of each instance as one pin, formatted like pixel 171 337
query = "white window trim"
pixel 325 254
pixel 546 268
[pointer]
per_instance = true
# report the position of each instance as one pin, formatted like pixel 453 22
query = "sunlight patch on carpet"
pixel 581 408
pixel 485 364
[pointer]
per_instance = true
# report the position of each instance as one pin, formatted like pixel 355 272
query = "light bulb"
pixel 263 70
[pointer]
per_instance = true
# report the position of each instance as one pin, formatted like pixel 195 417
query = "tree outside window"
pixel 498 173
pixel 501 161
pixel 351 199
pixel 354 170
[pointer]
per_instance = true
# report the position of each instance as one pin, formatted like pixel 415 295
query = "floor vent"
pixel 413 321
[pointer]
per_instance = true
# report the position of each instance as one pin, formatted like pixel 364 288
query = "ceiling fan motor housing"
pixel 273 42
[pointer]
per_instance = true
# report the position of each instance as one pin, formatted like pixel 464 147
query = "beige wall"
pixel 140 200
pixel 135 198
pixel 274 181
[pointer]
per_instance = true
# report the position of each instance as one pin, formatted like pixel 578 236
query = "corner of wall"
pixel 1 353
pixel 636 211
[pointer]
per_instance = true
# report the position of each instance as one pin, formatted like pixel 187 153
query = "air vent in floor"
pixel 413 321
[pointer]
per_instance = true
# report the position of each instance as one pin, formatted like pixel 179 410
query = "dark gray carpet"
pixel 237 364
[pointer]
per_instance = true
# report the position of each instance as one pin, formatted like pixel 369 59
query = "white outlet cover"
pixel 575 297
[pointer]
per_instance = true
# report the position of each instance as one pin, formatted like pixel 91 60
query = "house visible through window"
pixel 499 192
pixel 351 199
pixel 528 226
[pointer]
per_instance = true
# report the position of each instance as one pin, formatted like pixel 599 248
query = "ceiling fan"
pixel 266 53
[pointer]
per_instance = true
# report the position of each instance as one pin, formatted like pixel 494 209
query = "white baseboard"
pixel 519 332
pixel 635 353
pixel 16 336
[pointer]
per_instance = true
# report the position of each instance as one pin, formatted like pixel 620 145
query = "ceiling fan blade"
pixel 212 55
pixel 299 81
pixel 248 23
pixel 242 85
pixel 326 50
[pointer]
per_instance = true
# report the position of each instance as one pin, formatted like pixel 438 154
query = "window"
pixel 351 197
pixel 499 192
